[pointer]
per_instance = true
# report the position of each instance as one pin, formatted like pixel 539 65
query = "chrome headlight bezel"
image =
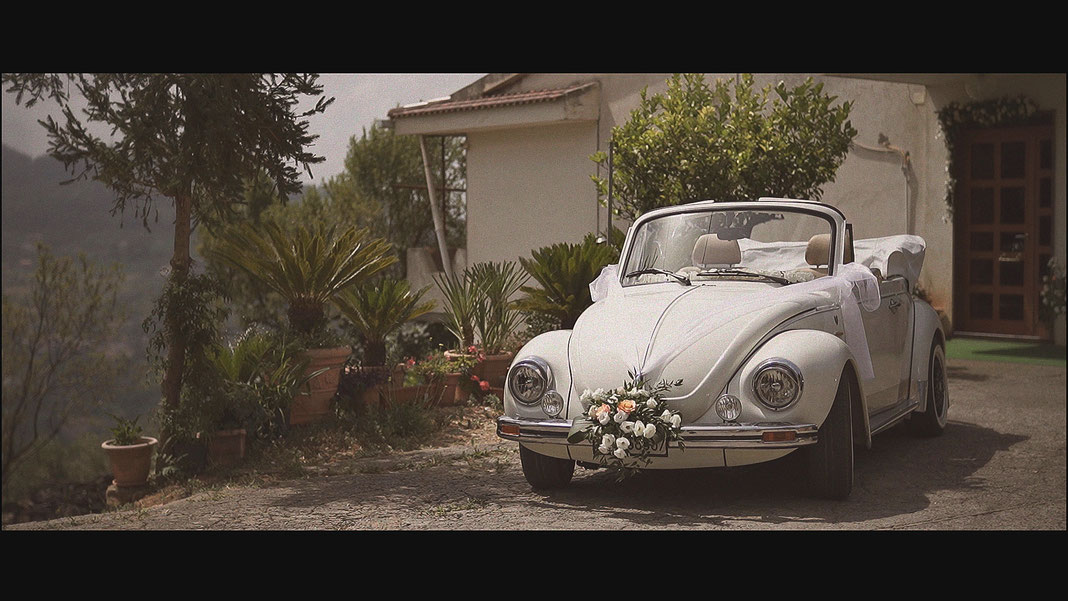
pixel 539 368
pixel 777 367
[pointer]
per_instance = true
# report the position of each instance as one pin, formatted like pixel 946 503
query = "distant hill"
pixel 76 218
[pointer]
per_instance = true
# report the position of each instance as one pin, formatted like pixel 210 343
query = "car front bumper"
pixel 764 435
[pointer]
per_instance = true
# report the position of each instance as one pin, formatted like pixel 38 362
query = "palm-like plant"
pixel 308 267
pixel 378 309
pixel 462 298
pixel 496 316
pixel 564 272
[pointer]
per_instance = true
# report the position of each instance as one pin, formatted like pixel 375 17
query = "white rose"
pixel 620 416
pixel 666 415
pixel 620 390
pixel 676 420
pixel 650 431
pixel 620 453
pixel 627 427
pixel 608 440
pixel 622 443
pixel 603 450
pixel 604 418
pixel 651 403
pixel 639 427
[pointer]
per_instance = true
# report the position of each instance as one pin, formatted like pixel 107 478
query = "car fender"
pixel 928 332
pixel 823 359
pixel 550 347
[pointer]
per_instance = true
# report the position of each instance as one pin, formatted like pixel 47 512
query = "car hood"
pixel 699 334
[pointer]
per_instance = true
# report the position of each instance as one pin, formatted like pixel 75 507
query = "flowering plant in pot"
pixel 445 371
pixel 628 424
pixel 308 267
pixel 129 452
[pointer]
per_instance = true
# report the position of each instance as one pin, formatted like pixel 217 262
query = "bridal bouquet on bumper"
pixel 627 424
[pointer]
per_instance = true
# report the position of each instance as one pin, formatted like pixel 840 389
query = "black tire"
pixel 830 460
pixel 543 472
pixel 932 422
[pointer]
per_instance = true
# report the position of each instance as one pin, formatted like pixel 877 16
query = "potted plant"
pixel 308 267
pixel 496 316
pixel 444 372
pixel 129 452
pixel 563 273
pixel 377 309
pixel 478 303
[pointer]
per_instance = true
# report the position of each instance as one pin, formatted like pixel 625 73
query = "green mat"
pixel 1009 351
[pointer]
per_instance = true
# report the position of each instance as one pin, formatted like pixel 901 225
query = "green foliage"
pixel 380 189
pixel 377 309
pixel 696 142
pixel 496 316
pixel 126 432
pixel 462 297
pixel 55 360
pixel 178 133
pixel 307 266
pixel 478 303
pixel 564 272
pixel 195 305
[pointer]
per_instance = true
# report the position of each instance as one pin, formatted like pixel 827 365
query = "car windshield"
pixel 781 245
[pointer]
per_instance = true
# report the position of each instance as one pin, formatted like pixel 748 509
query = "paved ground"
pixel 1000 465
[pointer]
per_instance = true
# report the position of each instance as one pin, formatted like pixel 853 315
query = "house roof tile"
pixel 484 102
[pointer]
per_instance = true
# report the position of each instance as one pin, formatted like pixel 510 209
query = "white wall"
pixel 528 188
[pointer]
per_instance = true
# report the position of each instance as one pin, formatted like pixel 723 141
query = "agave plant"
pixel 564 272
pixel 378 309
pixel 308 267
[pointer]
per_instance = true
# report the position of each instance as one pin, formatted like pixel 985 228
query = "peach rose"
pixel 626 405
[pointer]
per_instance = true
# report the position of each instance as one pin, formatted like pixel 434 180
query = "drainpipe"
pixel 435 210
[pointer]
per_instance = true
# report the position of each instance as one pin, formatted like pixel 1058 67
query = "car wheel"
pixel 543 472
pixel 932 421
pixel 830 460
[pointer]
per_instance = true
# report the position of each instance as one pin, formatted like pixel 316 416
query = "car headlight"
pixel 777 383
pixel 529 379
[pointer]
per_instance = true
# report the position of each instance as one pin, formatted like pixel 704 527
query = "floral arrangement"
pixel 625 425
pixel 1053 293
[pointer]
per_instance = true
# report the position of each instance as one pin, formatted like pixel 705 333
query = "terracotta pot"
pixel 315 405
pixel 130 464
pixel 226 447
pixel 451 389
pixel 495 368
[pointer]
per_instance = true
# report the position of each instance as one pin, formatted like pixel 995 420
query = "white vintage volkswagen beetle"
pixel 788 336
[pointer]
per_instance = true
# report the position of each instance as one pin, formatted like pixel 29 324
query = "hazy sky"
pixel 360 99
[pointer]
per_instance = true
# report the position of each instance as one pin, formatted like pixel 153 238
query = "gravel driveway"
pixel 1000 465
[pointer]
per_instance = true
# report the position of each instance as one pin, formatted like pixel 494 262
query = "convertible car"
pixel 788 336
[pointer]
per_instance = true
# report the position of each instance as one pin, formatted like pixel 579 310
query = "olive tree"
pixel 725 142
pixel 190 139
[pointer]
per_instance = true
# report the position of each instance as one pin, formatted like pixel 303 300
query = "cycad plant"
pixel 377 309
pixel 564 272
pixel 308 267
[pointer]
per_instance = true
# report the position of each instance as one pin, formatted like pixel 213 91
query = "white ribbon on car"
pixel 853 287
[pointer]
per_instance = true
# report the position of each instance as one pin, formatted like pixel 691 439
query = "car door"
pixel 889 333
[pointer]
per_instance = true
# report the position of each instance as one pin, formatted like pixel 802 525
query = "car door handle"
pixel 894 304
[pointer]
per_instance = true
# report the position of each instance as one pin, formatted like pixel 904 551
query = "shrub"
pixel 564 272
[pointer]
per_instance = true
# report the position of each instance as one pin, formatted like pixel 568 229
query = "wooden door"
pixel 1003 229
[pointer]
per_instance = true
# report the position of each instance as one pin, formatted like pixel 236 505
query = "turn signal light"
pixel 779 436
pixel 512 429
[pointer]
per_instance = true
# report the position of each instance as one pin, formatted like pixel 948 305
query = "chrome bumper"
pixel 764 435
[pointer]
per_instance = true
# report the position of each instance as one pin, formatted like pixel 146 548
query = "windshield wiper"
pixel 773 278
pixel 685 281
